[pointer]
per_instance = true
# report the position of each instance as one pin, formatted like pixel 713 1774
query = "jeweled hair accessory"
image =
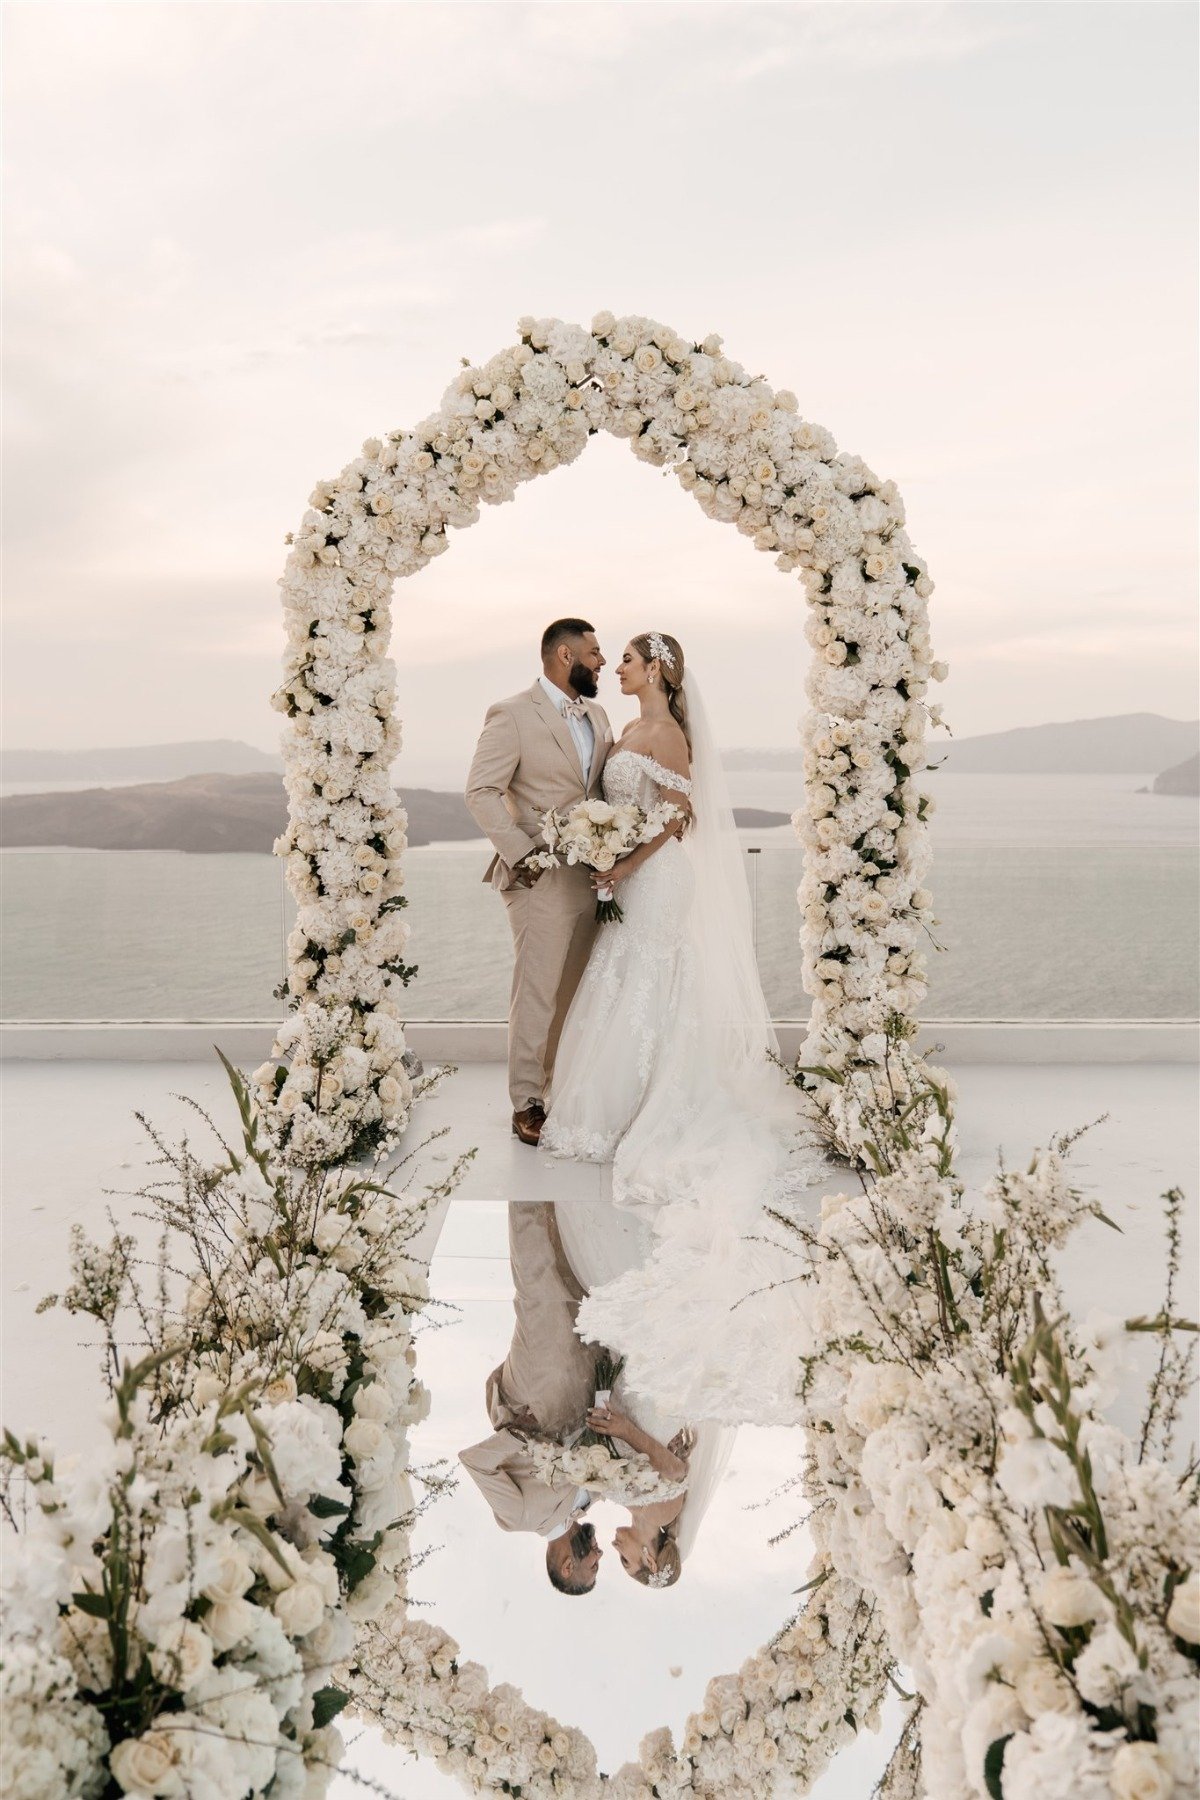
pixel 660 1579
pixel 659 649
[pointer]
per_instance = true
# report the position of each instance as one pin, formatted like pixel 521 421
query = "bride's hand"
pixel 683 1443
pixel 611 878
pixel 610 1423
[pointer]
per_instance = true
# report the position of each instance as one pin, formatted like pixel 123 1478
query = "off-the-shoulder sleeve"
pixel 665 777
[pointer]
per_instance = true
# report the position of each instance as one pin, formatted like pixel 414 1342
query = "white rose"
pixel 227 1622
pixel 603 325
pixel 1141 1772
pixel 279 1389
pixel 300 1608
pixel 1041 1687
pixel 1183 1614
pixel 232 1576
pixel 647 359
pixel 364 1438
pixel 374 1402
pixel 183 1655
pixel 149 1764
pixel 1068 1599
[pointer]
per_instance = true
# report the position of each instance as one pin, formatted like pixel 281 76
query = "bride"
pixel 665 1075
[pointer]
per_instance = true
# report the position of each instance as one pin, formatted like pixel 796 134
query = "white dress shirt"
pixel 582 1500
pixel 580 727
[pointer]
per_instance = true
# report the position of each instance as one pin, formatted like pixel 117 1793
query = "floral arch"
pixel 749 459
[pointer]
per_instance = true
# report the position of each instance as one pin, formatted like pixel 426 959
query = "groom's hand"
pixel 523 1422
pixel 524 875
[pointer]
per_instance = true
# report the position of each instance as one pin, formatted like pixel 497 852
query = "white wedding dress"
pixel 664 1076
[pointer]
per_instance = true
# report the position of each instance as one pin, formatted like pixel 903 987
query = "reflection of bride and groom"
pixel 644 1046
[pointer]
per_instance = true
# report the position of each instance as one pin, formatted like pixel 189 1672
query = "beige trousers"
pixel 553 924
pixel 547 1368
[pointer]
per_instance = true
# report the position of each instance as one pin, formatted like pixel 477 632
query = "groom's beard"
pixel 583 680
pixel 583 1540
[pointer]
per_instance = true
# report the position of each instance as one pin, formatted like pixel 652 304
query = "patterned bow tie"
pixel 574 709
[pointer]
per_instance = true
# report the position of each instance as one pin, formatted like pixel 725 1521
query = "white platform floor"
pixel 625 1660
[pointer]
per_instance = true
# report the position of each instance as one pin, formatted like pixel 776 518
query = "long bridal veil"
pixel 739 1026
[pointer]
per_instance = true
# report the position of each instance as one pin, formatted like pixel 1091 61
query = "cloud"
pixel 241 239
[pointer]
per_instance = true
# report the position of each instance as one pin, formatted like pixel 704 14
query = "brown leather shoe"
pixel 527 1125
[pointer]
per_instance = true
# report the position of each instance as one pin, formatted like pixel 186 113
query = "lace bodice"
pixel 629 778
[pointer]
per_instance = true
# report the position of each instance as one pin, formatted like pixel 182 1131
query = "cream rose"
pixel 231 1577
pixel 1069 1599
pixel 1141 1772
pixel 1041 1687
pixel 364 1438
pixel 374 1402
pixel 149 1764
pixel 300 1608
pixel 183 1655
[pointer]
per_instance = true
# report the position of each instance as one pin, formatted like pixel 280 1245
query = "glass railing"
pixel 140 934
pixel 1034 931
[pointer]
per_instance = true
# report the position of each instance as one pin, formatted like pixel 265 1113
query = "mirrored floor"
pixel 625 1660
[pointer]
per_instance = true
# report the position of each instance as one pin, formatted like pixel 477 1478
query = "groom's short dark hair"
pixel 560 631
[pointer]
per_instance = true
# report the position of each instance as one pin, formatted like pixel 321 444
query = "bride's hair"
pixel 650 645
pixel 666 1555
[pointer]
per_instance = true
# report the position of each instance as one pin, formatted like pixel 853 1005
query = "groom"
pixel 544 1386
pixel 540 749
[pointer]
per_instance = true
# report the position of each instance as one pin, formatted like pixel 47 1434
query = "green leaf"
pixel 322 1506
pixel 993 1763
pixel 327 1704
pixel 986 1602
pixel 356 1560
pixel 93 1604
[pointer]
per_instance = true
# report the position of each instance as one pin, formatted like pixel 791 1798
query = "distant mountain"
pixel 216 812
pixel 201 813
pixel 1184 778
pixel 1127 744
pixel 150 762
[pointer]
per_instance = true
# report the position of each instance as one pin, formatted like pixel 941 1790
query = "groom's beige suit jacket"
pixel 524 764
pixel 547 1371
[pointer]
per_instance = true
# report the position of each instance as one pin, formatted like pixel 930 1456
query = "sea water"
pixel 1056 897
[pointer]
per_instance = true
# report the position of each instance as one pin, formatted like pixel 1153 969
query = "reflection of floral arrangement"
pixel 596 834
pixel 630 1480
pixel 748 457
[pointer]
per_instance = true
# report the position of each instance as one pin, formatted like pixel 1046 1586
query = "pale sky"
pixel 243 237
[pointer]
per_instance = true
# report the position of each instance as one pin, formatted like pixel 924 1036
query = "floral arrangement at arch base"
pixel 749 459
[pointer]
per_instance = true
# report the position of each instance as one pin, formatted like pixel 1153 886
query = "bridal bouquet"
pixel 629 1480
pixel 596 834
